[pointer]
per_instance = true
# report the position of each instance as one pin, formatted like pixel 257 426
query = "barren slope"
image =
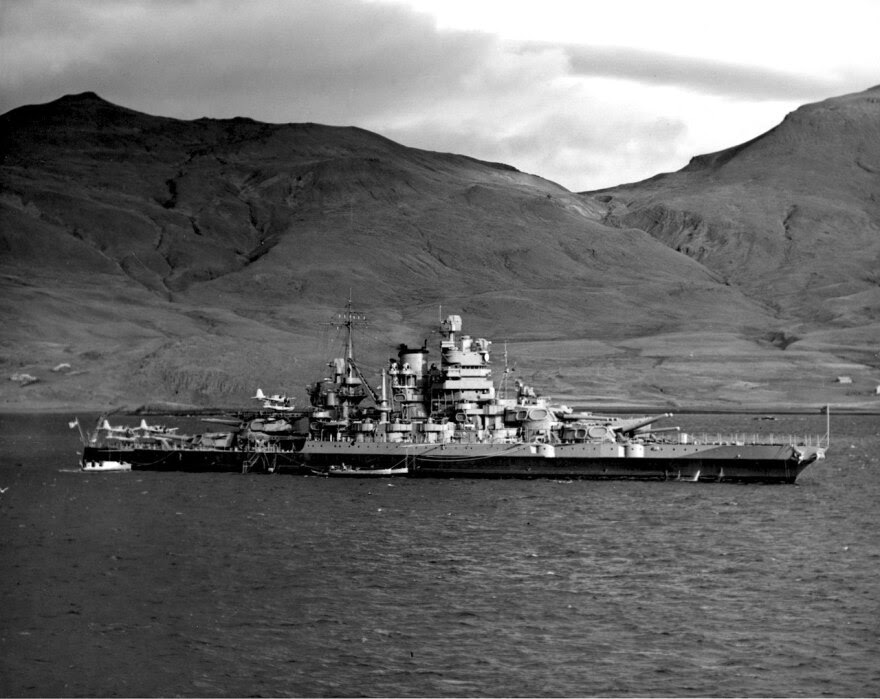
pixel 792 218
pixel 168 260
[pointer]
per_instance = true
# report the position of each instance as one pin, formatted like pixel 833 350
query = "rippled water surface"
pixel 122 584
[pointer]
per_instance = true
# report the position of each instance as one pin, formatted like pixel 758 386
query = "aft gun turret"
pixel 629 426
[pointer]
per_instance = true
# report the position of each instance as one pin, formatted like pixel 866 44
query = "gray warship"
pixel 447 418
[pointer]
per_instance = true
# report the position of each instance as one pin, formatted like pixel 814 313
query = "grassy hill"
pixel 192 261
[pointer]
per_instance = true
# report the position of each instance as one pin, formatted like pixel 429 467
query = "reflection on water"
pixel 222 584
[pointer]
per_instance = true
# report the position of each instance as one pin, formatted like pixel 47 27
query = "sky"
pixel 588 94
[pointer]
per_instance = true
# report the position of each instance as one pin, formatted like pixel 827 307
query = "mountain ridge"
pixel 809 187
pixel 189 261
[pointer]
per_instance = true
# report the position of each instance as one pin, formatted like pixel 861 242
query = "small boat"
pixel 106 465
pixel 343 471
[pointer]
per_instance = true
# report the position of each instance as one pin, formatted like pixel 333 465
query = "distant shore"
pixel 196 411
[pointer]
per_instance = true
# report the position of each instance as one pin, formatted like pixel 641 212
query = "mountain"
pixel 791 217
pixel 149 259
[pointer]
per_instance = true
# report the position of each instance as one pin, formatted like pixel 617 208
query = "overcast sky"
pixel 588 94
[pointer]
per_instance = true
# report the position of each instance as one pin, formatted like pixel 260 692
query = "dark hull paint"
pixel 714 470
pixel 592 468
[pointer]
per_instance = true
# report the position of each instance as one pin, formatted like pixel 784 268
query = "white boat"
pixel 106 465
pixel 343 471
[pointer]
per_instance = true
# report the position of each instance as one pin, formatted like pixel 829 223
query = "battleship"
pixel 446 418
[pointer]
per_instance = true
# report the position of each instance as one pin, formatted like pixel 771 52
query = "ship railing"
pixel 741 439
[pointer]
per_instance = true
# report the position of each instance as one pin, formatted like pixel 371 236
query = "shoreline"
pixel 626 409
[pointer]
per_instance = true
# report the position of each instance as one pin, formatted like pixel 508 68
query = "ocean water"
pixel 152 584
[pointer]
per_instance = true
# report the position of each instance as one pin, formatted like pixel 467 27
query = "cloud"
pixel 705 75
pixel 268 60
pixel 586 116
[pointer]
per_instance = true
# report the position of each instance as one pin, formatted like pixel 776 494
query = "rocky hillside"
pixel 148 259
pixel 792 218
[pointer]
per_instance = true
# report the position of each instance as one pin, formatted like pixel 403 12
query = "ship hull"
pixel 713 463
pixel 715 470
pixel 736 464
pixel 763 468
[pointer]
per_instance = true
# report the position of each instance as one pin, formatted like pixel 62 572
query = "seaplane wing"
pixel 155 429
pixel 223 420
